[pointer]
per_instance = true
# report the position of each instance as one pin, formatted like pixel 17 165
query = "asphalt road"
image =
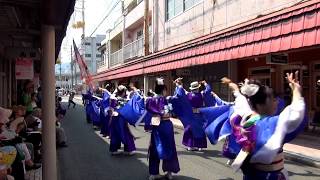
pixel 87 157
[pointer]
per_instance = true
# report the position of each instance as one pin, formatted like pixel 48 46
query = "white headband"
pixel 249 89
pixel 160 81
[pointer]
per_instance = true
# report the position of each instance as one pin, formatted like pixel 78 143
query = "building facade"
pixel 89 49
pixel 210 39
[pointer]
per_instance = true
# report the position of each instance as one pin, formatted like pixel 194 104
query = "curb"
pixel 292 156
pixel 300 158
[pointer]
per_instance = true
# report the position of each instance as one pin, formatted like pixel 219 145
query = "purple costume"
pixel 198 100
pixel 162 144
pixel 119 130
pixel 189 140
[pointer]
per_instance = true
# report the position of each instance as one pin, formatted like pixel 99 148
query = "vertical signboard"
pixel 24 68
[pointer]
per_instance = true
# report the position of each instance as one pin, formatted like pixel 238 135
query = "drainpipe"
pixel 146 42
pixel 49 169
pixel 155 22
pixel 123 29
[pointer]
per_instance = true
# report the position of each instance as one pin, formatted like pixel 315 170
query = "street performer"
pixel 194 137
pixel 119 129
pixel 105 112
pixel 162 144
pixel 257 134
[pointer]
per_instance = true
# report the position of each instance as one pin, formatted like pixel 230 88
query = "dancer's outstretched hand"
pixel 178 81
pixel 203 82
pixel 293 80
pixel 234 87
pixel 225 80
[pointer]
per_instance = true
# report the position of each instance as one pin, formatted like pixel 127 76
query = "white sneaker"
pixel 169 175
pixel 115 153
pixel 130 153
pixel 154 177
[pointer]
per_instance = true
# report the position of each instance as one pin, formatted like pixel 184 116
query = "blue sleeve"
pixel 219 101
pixel 208 98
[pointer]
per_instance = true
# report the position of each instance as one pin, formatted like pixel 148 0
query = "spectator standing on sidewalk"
pixel 71 96
pixel 26 97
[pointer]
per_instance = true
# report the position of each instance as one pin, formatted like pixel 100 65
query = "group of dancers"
pixel 254 127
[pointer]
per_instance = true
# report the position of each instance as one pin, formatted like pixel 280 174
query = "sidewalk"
pixel 304 149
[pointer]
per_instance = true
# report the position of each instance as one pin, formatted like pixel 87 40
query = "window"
pixel 88 55
pixel 98 55
pixel 98 44
pixel 87 43
pixel 175 7
pixel 188 4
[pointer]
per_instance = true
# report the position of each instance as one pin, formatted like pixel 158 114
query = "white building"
pixel 90 50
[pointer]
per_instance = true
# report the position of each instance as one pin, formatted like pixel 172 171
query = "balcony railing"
pixel 134 49
pixel 116 58
pixel 130 51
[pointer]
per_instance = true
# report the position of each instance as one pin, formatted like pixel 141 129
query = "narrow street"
pixel 87 157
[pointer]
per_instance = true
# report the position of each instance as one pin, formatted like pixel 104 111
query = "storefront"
pixel 306 61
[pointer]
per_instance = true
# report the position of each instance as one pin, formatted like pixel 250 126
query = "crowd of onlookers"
pixel 21 135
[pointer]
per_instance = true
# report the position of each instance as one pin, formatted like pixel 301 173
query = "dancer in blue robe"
pixel 105 113
pixel 194 137
pixel 119 129
pixel 95 112
pixel 162 144
pixel 87 99
pixel 257 136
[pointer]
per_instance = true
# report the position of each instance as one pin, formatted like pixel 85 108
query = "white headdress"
pixel 121 88
pixel 160 81
pixel 249 89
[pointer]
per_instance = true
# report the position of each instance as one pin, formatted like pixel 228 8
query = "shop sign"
pixel 277 59
pixel 24 68
pixel 183 72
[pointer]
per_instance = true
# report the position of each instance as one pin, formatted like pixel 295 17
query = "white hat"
pixel 4 115
pixel 122 88
pixel 194 85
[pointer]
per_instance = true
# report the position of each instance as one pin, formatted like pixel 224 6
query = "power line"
pixel 108 14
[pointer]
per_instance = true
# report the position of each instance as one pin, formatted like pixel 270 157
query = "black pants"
pixel 71 102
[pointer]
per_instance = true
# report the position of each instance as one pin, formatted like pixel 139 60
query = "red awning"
pixel 292 28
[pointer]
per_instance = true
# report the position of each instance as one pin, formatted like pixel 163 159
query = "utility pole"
pixel 71 63
pixel 146 42
pixel 123 29
pixel 83 22
pixel 146 27
pixel 83 34
pixel 60 77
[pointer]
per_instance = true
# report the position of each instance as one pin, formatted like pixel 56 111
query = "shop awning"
pixel 289 29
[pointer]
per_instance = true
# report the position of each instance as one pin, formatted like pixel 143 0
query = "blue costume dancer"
pixel 255 137
pixel 194 136
pixel 162 144
pixel 105 113
pixel 95 112
pixel 87 103
pixel 119 130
